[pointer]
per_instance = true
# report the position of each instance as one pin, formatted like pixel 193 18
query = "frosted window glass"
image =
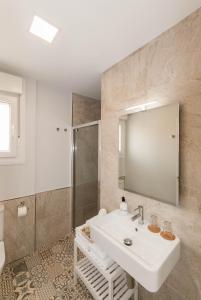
pixel 4 127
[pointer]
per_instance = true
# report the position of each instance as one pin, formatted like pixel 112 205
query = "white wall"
pixel 53 148
pixel 47 160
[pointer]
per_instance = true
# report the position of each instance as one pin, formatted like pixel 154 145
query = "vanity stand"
pixel 103 284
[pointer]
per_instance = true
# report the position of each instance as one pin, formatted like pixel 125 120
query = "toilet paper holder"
pixel 22 204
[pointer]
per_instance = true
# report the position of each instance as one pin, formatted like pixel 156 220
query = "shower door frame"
pixel 73 152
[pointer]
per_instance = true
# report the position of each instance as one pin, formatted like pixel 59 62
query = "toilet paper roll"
pixel 22 211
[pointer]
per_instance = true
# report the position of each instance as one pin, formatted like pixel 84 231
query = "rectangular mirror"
pixel 149 153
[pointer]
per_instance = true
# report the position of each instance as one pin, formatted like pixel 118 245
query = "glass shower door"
pixel 85 174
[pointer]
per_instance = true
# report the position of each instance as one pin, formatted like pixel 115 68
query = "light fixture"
pixel 43 29
pixel 143 106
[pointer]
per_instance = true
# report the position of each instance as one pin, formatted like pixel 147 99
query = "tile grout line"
pixel 35 225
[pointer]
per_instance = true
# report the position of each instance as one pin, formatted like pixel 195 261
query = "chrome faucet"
pixel 139 215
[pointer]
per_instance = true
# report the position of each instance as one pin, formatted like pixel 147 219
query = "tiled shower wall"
pixel 85 109
pixel 48 220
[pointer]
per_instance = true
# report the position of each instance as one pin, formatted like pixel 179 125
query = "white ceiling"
pixel 94 34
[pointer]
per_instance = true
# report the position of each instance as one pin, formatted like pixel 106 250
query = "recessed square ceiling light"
pixel 43 29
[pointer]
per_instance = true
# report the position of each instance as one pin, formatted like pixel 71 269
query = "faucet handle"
pixel 139 207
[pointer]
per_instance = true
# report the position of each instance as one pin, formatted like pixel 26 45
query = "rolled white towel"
pixel 104 260
pixel 107 262
pixel 101 254
pixel 102 212
pixel 82 241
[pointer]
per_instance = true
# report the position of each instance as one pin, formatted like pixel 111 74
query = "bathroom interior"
pixel 100 150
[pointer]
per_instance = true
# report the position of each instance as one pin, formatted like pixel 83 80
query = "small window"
pixel 8 126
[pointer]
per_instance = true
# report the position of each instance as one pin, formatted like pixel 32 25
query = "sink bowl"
pixel 149 259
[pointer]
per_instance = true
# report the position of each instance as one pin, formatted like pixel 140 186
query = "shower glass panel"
pixel 85 173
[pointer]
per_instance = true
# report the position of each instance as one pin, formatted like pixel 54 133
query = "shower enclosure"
pixel 85 172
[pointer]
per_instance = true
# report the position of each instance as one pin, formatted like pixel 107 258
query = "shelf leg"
pixel 111 290
pixel 136 290
pixel 75 262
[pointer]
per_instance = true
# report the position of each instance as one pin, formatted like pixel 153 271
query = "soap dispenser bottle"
pixel 123 206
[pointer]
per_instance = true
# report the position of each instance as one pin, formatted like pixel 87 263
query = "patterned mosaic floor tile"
pixel 32 261
pixel 6 283
pixel 39 276
pixel 54 270
pixel 46 292
pixel 21 278
pixel 10 297
pixel 19 266
pixel 26 291
pixel 46 275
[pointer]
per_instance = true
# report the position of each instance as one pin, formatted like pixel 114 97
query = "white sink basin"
pixel 149 260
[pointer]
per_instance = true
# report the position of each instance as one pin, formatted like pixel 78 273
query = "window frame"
pixel 12 101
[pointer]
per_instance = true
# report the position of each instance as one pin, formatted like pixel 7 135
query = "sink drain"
pixel 128 242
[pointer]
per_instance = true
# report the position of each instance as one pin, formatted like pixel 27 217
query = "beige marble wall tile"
pixel 53 216
pixel 167 70
pixel 19 233
pixel 48 221
pixel 85 109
